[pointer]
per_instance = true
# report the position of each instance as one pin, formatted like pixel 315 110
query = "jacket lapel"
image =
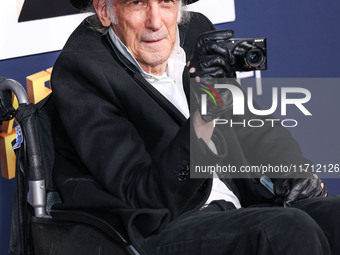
pixel 186 84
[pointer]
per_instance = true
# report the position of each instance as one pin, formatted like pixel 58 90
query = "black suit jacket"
pixel 122 148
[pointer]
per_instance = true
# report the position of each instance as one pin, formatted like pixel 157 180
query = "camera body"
pixel 249 53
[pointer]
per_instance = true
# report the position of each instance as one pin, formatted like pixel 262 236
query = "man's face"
pixel 148 28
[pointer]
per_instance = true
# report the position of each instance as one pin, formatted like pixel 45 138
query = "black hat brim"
pixel 83 4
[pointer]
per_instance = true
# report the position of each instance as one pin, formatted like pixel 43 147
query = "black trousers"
pixel 311 227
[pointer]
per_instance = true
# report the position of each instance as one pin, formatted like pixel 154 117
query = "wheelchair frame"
pixel 37 193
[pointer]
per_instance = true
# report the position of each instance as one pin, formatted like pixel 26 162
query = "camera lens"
pixel 255 57
pixel 249 56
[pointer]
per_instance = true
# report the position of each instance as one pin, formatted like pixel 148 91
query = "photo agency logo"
pixel 281 99
pixel 254 111
pixel 204 98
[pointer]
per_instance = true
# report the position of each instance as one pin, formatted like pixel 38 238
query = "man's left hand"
pixel 291 189
pixel 210 59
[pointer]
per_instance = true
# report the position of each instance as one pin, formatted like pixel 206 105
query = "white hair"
pixel 109 5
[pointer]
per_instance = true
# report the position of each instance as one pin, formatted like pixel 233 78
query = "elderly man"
pixel 121 90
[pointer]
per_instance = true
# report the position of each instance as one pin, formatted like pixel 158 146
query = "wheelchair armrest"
pixel 105 222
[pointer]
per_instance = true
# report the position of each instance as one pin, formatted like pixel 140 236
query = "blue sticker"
pixel 19 138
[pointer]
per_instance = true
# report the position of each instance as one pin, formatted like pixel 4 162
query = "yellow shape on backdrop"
pixel 36 88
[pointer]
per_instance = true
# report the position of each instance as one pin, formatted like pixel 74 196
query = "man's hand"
pixel 208 62
pixel 211 60
pixel 291 189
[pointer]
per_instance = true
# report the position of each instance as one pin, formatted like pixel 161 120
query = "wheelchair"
pixel 36 228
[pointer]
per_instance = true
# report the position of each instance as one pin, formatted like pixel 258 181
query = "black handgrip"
pixel 26 117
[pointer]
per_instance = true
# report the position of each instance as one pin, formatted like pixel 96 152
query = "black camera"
pixel 249 53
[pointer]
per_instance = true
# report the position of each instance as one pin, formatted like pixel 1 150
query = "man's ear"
pixel 103 12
